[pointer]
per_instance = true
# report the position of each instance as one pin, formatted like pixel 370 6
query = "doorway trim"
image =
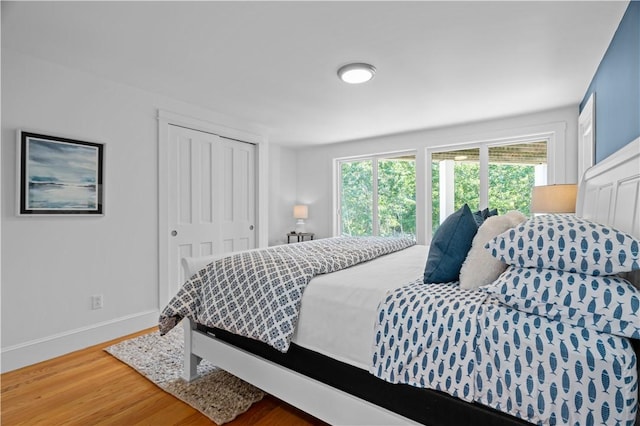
pixel 168 118
pixel 586 136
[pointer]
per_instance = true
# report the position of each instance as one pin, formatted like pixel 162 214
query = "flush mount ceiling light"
pixel 356 73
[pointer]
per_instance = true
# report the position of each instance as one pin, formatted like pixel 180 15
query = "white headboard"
pixel 610 193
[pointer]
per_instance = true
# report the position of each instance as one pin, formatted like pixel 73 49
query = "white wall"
pixel 315 165
pixel 282 192
pixel 52 265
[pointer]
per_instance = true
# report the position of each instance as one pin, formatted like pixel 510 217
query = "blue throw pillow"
pixel 481 215
pixel 449 247
pixel 478 217
pixel 488 213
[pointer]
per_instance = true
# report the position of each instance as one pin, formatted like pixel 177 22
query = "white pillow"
pixel 193 265
pixel 480 268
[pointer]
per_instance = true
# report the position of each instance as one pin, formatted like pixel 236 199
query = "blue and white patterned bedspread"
pixel 462 342
pixel 551 373
pixel 425 336
pixel 257 294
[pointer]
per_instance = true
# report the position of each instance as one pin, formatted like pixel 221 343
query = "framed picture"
pixel 59 176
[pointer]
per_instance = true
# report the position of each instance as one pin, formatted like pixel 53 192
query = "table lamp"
pixel 300 212
pixel 554 198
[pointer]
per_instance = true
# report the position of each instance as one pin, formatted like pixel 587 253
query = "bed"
pixel 570 372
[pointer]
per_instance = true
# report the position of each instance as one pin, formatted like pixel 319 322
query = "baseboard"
pixel 34 351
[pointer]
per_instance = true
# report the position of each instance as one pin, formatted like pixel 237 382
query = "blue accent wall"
pixel 617 87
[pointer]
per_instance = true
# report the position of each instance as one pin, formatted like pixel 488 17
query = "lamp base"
pixel 300 229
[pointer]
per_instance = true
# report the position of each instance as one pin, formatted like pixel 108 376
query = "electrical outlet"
pixel 96 301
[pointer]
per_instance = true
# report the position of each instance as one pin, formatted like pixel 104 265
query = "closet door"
pixel 238 196
pixel 211 198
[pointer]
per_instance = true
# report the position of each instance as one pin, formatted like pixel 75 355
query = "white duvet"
pixel 338 310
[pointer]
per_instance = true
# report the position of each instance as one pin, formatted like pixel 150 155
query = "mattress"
pixel 535 369
pixel 338 310
pixel 539 370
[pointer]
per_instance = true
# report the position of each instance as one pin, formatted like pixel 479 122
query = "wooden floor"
pixel 90 387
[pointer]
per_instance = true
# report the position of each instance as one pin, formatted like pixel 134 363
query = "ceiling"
pixel 273 64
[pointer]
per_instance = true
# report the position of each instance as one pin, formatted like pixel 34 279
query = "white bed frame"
pixel 609 194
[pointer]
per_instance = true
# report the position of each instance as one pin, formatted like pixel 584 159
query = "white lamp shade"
pixel 554 198
pixel 300 211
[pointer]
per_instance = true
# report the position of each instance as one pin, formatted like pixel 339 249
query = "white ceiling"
pixel 274 64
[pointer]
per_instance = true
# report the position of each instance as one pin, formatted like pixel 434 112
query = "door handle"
pixel 250 227
pixel 174 233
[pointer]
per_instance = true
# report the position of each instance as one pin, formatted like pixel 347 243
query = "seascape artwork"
pixel 61 176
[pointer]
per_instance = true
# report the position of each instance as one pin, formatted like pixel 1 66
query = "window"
pixel 495 176
pixel 513 171
pixel 356 197
pixel 455 181
pixel 377 195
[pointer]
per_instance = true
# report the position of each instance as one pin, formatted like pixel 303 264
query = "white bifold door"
pixel 211 197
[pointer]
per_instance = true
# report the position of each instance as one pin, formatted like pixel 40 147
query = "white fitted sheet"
pixel 337 313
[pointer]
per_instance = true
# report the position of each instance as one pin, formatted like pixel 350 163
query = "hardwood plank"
pixel 92 387
pixel 286 414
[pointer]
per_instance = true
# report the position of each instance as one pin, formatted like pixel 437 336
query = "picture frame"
pixel 59 176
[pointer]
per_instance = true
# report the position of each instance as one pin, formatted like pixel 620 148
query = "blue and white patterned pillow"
pixel 567 243
pixel 606 304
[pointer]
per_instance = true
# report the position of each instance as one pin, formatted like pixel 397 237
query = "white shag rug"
pixel 217 394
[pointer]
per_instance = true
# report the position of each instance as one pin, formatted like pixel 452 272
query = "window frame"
pixel 374 158
pixel 483 146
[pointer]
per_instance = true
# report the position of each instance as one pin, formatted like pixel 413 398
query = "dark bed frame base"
pixel 425 406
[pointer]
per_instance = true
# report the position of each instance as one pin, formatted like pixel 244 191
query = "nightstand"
pixel 300 236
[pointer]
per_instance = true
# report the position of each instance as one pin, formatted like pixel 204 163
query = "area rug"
pixel 217 394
